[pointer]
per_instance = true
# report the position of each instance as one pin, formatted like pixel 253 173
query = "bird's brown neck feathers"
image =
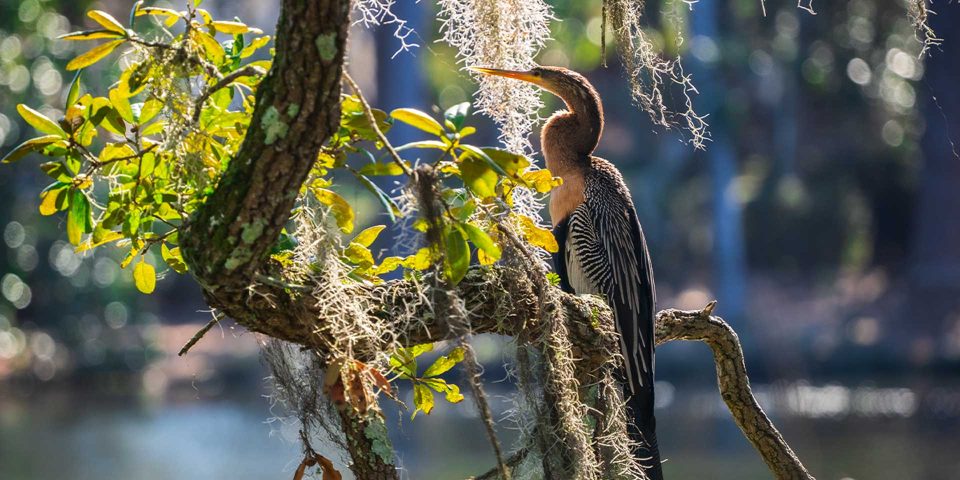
pixel 567 140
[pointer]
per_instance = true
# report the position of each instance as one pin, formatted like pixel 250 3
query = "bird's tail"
pixel 643 430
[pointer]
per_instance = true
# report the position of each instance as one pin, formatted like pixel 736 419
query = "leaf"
pixel 134 79
pixel 422 399
pixel 213 48
pixel 536 235
pixel 451 391
pixel 340 208
pixel 478 177
pixel 173 258
pixel 368 235
pixel 418 119
pixel 122 105
pixel 90 35
pixel 49 198
pixel 381 169
pixel 457 114
pixel 107 21
pixel 144 277
pixel 509 161
pixel 435 144
pixel 40 121
pixel 172 15
pixel 393 210
pixel 445 363
pixel 90 244
pixel 541 180
pixel 93 55
pixel 479 153
pixel 359 255
pixel 482 240
pixel 255 45
pixel 28 146
pixel 420 260
pixel 457 259
pixel 223 26
pixel 388 265
pixel 78 218
pixel 74 93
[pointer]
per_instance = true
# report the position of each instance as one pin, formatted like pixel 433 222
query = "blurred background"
pixel 824 216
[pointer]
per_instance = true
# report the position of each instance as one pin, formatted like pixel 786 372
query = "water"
pixel 838 431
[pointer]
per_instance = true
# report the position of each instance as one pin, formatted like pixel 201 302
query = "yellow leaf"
pixel 90 244
pixel 122 105
pixel 418 119
pixel 388 265
pixel 93 55
pixel 537 235
pixel 48 201
pixel 541 180
pixel 40 121
pixel 367 236
pixel 341 210
pixel 107 21
pixel 479 177
pixel 230 27
pixel 90 35
pixel 145 277
pixel 213 48
pixel 420 260
pixel 31 145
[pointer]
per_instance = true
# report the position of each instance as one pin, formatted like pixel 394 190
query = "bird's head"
pixel 562 82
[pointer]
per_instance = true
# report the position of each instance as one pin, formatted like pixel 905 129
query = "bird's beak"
pixel 518 75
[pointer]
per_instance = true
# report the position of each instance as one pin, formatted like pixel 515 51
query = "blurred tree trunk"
pixel 729 264
pixel 935 273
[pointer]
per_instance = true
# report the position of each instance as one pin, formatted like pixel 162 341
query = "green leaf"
pixel 451 391
pixel 445 363
pixel 482 240
pixel 478 153
pixel 78 218
pixel 107 21
pixel 457 114
pixel 57 171
pixel 223 26
pixel 74 93
pixel 553 278
pixel 393 210
pixel 479 177
pixel 32 145
pixel 145 277
pixel 93 55
pixel 381 169
pixel 368 235
pixel 511 163
pixel 418 119
pixel 457 260
pixel 422 400
pixel 40 121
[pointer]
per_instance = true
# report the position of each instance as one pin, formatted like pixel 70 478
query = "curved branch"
pixel 734 384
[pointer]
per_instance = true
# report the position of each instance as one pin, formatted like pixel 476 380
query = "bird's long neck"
pixel 569 137
pixel 567 140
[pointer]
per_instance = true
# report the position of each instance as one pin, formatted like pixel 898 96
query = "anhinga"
pixel 602 248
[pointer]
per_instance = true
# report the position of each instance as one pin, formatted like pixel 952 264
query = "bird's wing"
pixel 626 278
pixel 560 258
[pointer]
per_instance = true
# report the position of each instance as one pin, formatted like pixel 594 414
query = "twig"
pixel 373 124
pixel 197 336
pixel 248 71
pixel 480 397
pixel 516 459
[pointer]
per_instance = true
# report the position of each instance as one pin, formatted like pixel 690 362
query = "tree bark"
pixel 228 238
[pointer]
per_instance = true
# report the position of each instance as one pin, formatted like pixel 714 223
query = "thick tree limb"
pixel 229 237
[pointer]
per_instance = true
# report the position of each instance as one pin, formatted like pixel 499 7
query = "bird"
pixel 602 249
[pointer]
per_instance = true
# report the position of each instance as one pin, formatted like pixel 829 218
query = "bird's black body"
pixel 603 251
pixel 602 248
